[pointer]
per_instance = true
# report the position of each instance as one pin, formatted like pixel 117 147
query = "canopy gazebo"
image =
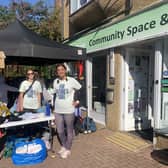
pixel 24 47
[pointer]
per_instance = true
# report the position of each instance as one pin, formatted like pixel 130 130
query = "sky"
pixel 6 2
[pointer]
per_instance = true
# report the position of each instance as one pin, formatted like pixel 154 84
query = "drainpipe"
pixel 62 19
pixel 128 6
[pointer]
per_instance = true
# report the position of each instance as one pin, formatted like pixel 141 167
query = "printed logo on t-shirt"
pixel 61 91
pixel 30 93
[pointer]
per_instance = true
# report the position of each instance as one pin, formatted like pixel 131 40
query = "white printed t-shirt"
pixel 65 90
pixel 30 100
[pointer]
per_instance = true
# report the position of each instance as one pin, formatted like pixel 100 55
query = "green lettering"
pixel 129 30
pixel 152 24
pixel 146 26
pixel 164 19
pixel 140 28
pixel 134 30
pixel 90 43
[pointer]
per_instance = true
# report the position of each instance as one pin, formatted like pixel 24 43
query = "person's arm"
pixel 39 94
pixel 20 102
pixel 20 97
pixel 76 98
pixel 77 86
pixel 39 99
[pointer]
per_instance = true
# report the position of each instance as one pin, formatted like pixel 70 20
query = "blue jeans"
pixel 63 120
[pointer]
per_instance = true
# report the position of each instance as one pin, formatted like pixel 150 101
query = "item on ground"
pixel 29 153
pixel 88 125
pixel 46 139
pixel 10 144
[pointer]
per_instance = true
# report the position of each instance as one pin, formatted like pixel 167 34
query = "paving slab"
pixel 95 151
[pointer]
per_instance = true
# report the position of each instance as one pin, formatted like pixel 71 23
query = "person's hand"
pixel 76 103
pixel 19 109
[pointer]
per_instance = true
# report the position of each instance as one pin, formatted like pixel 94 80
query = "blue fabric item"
pixel 29 159
pixel 10 145
pixel 89 124
pixel 42 109
pixel 77 112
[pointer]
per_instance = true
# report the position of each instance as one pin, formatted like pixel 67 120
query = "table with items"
pixel 33 119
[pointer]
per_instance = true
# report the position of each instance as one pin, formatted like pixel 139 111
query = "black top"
pixel 18 42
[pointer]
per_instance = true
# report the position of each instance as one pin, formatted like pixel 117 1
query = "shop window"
pixel 99 84
pixel 82 2
pixel 77 4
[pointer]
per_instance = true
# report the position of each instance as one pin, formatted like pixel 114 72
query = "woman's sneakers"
pixel 65 154
pixel 61 150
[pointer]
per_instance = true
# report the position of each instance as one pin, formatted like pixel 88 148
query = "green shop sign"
pixel 146 25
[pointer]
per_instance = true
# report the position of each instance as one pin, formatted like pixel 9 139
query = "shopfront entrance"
pixel 162 117
pixel 97 82
pixel 139 89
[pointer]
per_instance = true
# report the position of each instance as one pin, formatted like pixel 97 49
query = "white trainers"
pixel 61 150
pixel 65 154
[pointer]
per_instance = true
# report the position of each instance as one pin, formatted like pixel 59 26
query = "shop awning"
pixel 23 46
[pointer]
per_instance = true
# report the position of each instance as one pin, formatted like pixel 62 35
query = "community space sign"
pixel 148 24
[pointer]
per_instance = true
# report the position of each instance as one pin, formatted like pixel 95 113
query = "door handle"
pixel 156 82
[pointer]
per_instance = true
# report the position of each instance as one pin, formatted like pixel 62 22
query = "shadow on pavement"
pixel 145 134
pixel 160 156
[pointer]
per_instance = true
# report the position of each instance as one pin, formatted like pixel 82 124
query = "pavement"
pixel 95 151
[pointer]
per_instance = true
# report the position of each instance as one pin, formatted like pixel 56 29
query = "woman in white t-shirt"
pixel 30 93
pixel 64 106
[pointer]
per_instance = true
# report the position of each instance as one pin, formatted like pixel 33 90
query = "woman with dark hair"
pixel 30 93
pixel 64 107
